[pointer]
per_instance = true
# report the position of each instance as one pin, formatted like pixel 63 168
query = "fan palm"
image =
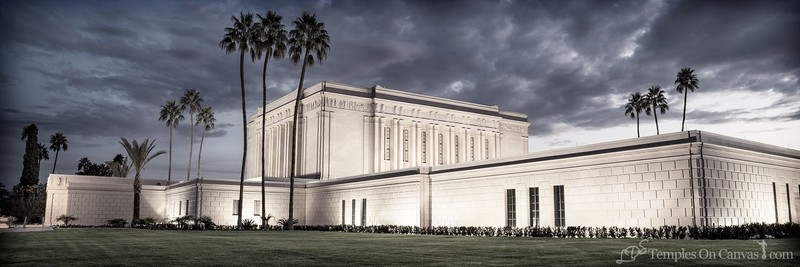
pixel 191 101
pixel 272 43
pixel 205 117
pixel 57 143
pixel 656 100
pixel 171 114
pixel 140 155
pixel 635 106
pixel 686 81
pixel 308 36
pixel 43 153
pixel 241 37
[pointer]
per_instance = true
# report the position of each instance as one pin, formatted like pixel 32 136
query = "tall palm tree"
pixel 307 37
pixel 172 115
pixel 656 100
pixel 191 101
pixel 140 155
pixel 272 43
pixel 686 82
pixel 43 153
pixel 57 143
pixel 205 117
pixel 635 106
pixel 241 37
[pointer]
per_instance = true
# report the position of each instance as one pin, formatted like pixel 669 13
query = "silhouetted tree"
pixel 170 114
pixel 686 82
pixel 191 101
pixel 634 107
pixel 44 154
pixel 241 37
pixel 308 37
pixel 58 142
pixel 271 42
pixel 206 118
pixel 30 161
pixel 656 101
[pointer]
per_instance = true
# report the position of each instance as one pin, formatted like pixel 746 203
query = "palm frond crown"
pixel 308 36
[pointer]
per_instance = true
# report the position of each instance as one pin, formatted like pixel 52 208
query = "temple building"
pixel 380 156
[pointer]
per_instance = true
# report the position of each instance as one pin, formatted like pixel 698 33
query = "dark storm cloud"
pixel 103 69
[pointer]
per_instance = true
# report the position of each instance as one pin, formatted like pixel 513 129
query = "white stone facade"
pixel 685 178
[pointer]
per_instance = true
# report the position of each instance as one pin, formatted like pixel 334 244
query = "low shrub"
pixel 66 219
pixel 117 222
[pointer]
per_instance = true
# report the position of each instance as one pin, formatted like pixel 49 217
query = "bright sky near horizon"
pixel 100 70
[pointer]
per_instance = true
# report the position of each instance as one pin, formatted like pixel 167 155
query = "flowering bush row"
pixel 746 231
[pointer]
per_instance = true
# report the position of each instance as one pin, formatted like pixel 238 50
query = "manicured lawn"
pixel 147 247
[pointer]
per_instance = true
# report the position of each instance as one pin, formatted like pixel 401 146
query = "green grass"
pixel 148 247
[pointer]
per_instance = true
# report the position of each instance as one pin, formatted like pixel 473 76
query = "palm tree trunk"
pixel 200 152
pixel 655 115
pixel 169 173
pixel 685 94
pixel 294 141
pixel 244 141
pixel 637 126
pixel 263 138
pixel 55 162
pixel 137 191
pixel 191 145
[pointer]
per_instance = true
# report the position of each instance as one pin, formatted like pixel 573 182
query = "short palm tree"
pixel 170 114
pixel 241 37
pixel 308 37
pixel 686 82
pixel 191 101
pixel 206 118
pixel 656 100
pixel 119 167
pixel 635 106
pixel 272 43
pixel 140 155
pixel 44 154
pixel 57 143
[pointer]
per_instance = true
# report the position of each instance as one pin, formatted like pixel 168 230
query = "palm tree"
pixel 172 115
pixel 140 155
pixel 635 106
pixel 656 100
pixel 191 101
pixel 686 82
pixel 272 42
pixel 119 168
pixel 206 117
pixel 307 36
pixel 57 143
pixel 241 37
pixel 43 153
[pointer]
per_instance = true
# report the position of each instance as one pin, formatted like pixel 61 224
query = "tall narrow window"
pixel 558 199
pixel 363 212
pixel 405 145
pixel 775 199
pixel 424 147
pixel 789 202
pixel 186 207
pixel 511 208
pixel 236 207
pixel 534 196
pixel 180 207
pixel 486 148
pixel 472 149
pixel 387 143
pixel 455 140
pixel 344 208
pixel 353 220
pixel 441 149
pixel 257 208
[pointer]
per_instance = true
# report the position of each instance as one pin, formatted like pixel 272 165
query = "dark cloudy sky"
pixel 99 70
